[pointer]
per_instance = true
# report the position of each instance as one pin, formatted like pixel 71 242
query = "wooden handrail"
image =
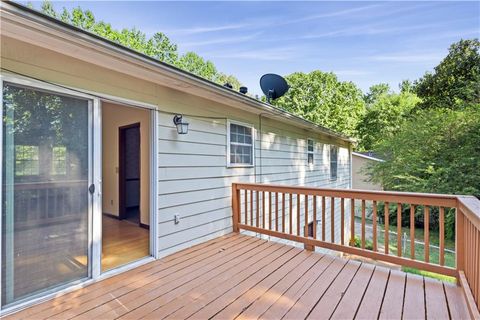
pixel 303 205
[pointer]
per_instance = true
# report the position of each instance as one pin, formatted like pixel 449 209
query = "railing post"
pixel 235 206
pixel 459 241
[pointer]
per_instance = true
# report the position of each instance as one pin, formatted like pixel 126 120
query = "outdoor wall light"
pixel 182 126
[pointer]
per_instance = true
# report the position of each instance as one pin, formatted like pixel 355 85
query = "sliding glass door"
pixel 46 205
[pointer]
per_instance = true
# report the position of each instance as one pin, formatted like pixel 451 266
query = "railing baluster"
pixel 352 221
pixel 276 211
pixel 270 211
pixel 442 236
pixel 251 207
pixel 426 233
pixel 342 221
pixel 363 224
pixel 323 218
pixel 374 226
pixel 314 217
pixel 399 229
pixel 263 210
pixel 298 214
pixel 332 219
pixel 412 231
pixel 305 232
pixel 245 199
pixel 258 207
pixel 291 214
pixel 283 212
pixel 387 221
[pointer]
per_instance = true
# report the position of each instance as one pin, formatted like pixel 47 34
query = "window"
pixel 240 145
pixel 310 151
pixel 59 160
pixel 26 160
pixel 333 162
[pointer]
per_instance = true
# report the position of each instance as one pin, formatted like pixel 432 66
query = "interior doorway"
pixel 129 172
pixel 125 185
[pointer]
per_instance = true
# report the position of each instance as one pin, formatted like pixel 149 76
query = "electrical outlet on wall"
pixel 177 219
pixel 111 202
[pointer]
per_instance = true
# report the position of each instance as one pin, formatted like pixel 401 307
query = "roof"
pixel 174 71
pixel 368 156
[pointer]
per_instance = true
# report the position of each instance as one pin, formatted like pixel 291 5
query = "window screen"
pixel 241 145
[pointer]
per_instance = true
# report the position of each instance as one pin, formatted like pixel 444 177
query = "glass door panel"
pixel 45 199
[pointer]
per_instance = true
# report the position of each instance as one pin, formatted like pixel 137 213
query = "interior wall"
pixel 113 117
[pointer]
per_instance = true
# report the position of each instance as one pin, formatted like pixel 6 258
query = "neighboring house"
pixel 95 173
pixel 360 179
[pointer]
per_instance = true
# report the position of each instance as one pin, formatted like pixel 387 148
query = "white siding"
pixel 195 183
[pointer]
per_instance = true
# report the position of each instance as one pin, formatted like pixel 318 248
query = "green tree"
pixel 436 151
pixel 193 63
pixel 455 82
pixel 386 112
pixel 375 92
pixel 321 98
pixel 158 46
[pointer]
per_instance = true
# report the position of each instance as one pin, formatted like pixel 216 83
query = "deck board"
pixel 414 302
pixel 242 277
pixel 374 294
pixel 350 301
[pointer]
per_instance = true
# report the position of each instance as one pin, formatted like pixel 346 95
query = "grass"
pixel 434 253
pixel 429 274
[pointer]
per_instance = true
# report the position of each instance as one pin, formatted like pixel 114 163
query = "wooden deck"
pixel 238 276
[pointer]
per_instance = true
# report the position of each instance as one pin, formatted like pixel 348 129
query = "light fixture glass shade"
pixel 182 126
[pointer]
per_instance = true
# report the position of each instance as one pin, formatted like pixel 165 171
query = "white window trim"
pixel 311 152
pixel 240 165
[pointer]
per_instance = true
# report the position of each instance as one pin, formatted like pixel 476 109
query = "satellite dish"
pixel 273 86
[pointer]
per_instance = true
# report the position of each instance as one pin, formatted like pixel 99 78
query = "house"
pixel 113 206
pixel 360 179
pixel 96 176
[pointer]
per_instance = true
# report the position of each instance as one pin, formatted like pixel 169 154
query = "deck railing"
pixel 319 217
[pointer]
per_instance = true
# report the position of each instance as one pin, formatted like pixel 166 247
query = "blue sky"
pixel 363 42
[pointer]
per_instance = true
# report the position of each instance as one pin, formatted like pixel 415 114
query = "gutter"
pixel 169 70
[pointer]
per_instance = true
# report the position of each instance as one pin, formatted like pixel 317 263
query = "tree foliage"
pixel 385 113
pixel 436 147
pixel 455 82
pixel 320 97
pixel 436 151
pixel 158 46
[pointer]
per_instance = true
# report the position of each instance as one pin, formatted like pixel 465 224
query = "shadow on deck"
pixel 238 276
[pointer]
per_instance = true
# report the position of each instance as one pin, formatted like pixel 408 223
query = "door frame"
pixel 95 176
pixel 121 169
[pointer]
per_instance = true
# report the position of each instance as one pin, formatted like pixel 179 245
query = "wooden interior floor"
pixel 122 242
pixel 238 276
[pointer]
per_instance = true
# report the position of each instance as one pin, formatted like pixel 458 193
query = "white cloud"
pixel 408 57
pixel 278 54
pixel 207 29
pixel 225 40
